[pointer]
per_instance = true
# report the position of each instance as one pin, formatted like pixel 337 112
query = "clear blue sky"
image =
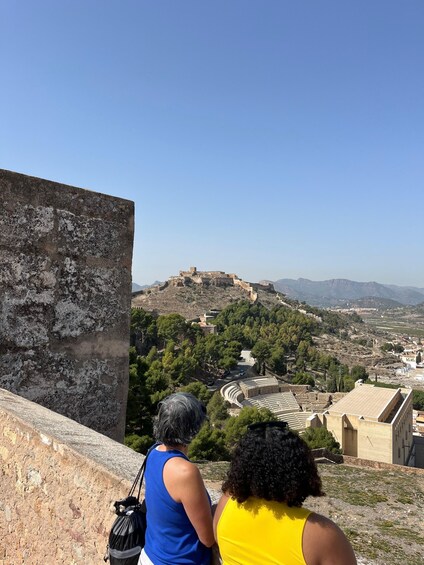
pixel 271 139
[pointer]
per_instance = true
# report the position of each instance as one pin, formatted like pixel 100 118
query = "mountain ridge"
pixel 337 292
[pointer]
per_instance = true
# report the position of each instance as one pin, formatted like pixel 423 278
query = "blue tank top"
pixel 170 536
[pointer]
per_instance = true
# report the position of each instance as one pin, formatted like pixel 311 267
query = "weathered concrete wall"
pixel 58 480
pixel 65 295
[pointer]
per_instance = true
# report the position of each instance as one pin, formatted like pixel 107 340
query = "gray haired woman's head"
pixel 179 419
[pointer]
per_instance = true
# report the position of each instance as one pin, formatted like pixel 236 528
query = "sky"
pixel 271 139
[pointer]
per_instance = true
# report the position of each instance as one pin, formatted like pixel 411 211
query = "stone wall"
pixel 65 295
pixel 358 462
pixel 59 480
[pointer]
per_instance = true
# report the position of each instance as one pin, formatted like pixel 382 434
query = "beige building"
pixel 372 423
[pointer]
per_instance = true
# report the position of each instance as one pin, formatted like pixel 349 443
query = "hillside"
pixel 193 293
pixel 190 302
pixel 380 510
pixel 192 299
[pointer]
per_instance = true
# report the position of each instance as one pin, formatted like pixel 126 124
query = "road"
pixel 245 368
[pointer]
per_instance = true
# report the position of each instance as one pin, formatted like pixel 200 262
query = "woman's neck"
pixel 182 448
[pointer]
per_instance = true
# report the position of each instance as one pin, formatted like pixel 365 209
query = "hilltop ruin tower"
pixel 65 295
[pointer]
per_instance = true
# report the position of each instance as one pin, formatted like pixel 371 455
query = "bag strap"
pixel 140 475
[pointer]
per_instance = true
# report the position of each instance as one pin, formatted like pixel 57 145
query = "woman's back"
pixel 170 536
pixel 258 531
pixel 272 463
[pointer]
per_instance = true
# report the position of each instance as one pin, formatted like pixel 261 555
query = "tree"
pixel 172 327
pixel 321 437
pixel 302 355
pixel 358 372
pixel 349 384
pixel 278 361
pixel 303 379
pixel 332 384
pixel 138 415
pixel 395 347
pixel 418 358
pixel 217 410
pixel 209 444
pixel 139 443
pixel 235 427
pixel 142 330
pixel 158 384
pixel 355 317
pixel 418 399
pixel 261 351
pixel 199 390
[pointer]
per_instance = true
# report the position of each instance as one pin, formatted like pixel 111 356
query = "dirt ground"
pixel 380 511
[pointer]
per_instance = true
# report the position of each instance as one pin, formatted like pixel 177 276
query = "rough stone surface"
pixel 65 295
pixel 59 480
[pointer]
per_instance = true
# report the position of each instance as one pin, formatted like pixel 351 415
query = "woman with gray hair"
pixel 179 517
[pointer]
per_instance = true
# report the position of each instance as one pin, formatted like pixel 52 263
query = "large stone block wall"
pixel 65 295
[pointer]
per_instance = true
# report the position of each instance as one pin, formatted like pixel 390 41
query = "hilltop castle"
pixel 210 278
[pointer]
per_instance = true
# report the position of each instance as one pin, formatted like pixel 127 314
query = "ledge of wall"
pixel 58 481
pixel 380 465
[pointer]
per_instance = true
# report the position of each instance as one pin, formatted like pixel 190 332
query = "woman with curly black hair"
pixel 260 519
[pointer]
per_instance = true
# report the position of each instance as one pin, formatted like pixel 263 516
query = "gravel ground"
pixel 381 511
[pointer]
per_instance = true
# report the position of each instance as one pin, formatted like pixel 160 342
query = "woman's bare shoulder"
pixel 324 543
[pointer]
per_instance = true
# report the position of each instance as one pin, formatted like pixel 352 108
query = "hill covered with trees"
pixel 169 354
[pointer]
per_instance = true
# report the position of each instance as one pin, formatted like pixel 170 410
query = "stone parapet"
pixel 59 480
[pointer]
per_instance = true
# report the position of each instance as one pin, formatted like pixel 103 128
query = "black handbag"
pixel 127 535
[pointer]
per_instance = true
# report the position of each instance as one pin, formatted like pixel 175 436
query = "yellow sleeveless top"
pixel 259 532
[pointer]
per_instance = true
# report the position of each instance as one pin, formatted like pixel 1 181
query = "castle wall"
pixel 65 296
pixel 59 480
pixel 208 278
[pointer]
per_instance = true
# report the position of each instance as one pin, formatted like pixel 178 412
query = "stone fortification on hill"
pixel 193 292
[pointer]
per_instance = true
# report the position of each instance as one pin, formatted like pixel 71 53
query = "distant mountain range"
pixel 340 292
pixel 136 287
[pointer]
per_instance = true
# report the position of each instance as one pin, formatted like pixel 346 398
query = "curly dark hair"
pixel 274 464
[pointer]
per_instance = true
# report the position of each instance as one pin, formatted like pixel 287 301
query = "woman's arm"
pixel 325 544
pixel 218 511
pixel 185 484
